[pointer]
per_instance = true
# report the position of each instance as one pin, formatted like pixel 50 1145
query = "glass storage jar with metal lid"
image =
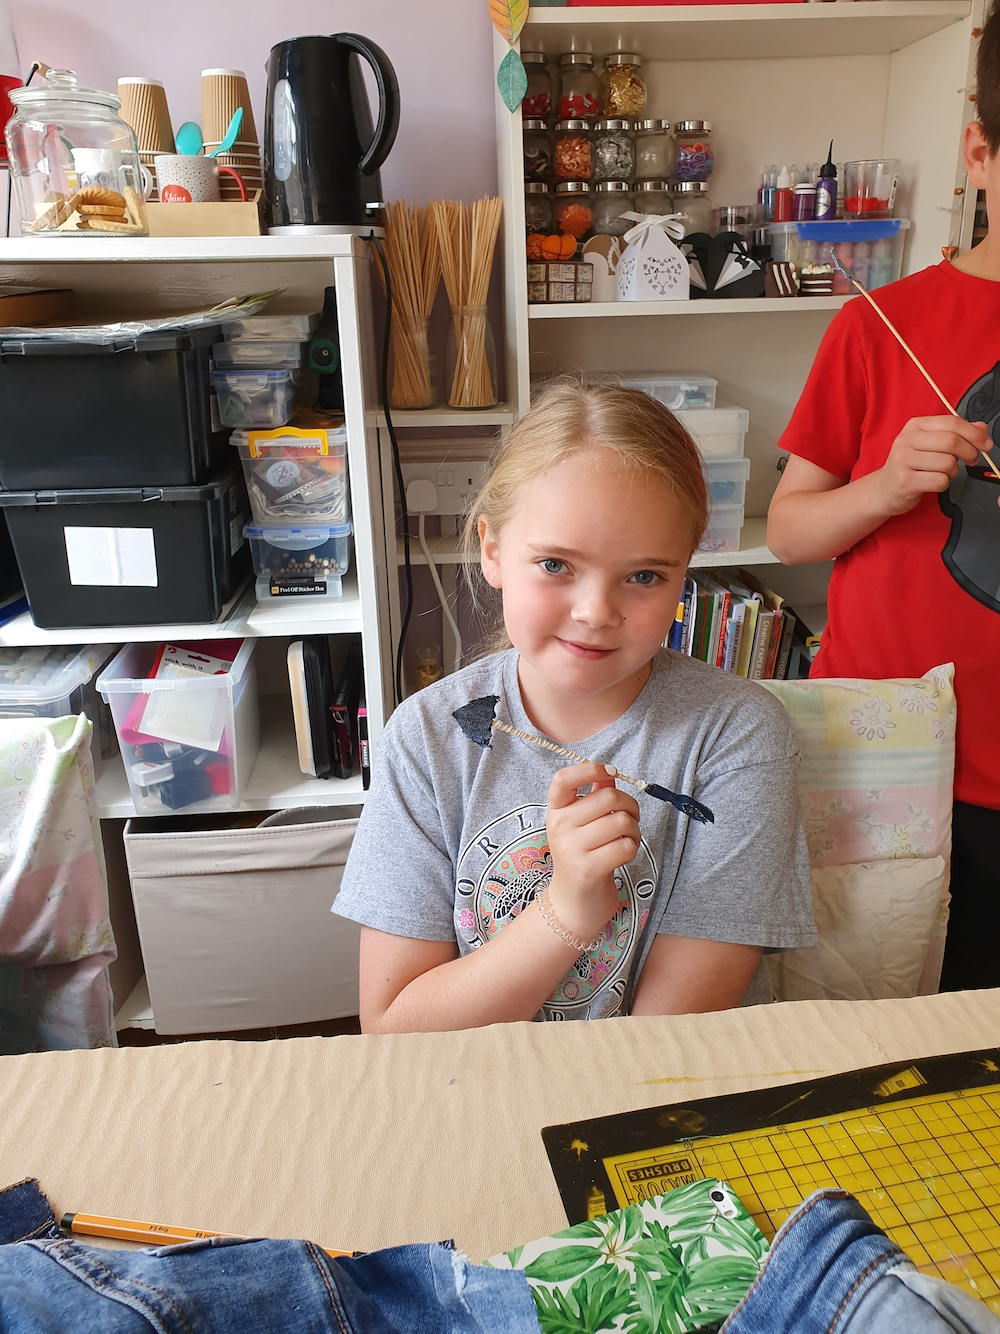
pixel 614 150
pixel 537 101
pixel 572 156
pixel 537 150
pixel 611 200
pixel 574 209
pixel 654 150
pixel 623 92
pixel 537 208
pixel 75 164
pixel 653 197
pixel 580 88
pixel 692 203
pixel 695 150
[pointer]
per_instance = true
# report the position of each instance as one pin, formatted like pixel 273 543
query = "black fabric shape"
pixel 25 1214
pixel 476 718
pixel 695 250
pixel 686 805
pixel 971 554
pixel 729 271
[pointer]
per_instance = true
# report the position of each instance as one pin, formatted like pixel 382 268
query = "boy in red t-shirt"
pixel 881 479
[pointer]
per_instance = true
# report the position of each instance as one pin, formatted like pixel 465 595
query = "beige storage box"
pixel 235 924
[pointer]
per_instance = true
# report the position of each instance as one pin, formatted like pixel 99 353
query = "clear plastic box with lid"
pixel 718 432
pixel 676 390
pixel 53 681
pixel 296 474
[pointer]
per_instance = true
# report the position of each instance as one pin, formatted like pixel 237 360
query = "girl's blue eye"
pixel 552 566
pixel 644 577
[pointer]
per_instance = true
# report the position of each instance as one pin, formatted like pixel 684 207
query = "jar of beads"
pixel 613 150
pixel 623 92
pixel 537 101
pixel 611 200
pixel 695 150
pixel 580 90
pixel 537 149
pixel 537 208
pixel 653 197
pixel 574 209
pixel 654 150
pixel 572 158
pixel 692 204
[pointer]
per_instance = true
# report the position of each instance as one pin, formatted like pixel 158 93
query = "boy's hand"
pixel 924 458
pixel 589 837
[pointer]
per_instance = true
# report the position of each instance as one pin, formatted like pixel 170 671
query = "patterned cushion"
pixel 878 759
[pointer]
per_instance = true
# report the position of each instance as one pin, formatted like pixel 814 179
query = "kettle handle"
pixel 388 100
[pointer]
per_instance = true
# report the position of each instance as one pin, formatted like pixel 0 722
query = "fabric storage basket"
pixel 188 743
pixel 130 556
pixel 138 411
pixel 235 924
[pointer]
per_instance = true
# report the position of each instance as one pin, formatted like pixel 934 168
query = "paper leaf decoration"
pixel 512 81
pixel 508 18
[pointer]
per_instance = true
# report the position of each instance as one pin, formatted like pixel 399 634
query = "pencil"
pixel 153 1234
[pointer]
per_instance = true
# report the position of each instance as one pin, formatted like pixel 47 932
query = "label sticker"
pixel 111 557
pixel 297 586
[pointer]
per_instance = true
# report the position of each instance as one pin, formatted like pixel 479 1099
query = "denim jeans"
pixel 227 1285
pixel 830 1270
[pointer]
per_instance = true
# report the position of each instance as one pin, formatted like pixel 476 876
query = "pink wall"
pixel 442 53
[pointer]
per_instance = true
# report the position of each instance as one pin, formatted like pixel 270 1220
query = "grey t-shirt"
pixel 451 844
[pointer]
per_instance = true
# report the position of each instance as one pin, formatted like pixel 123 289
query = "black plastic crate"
pixel 136 412
pixel 130 556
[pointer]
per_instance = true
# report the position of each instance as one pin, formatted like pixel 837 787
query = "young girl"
pixel 488 888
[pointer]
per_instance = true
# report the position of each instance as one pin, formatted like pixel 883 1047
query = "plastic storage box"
pixel 294 328
pixel 723 531
pixel 149 556
pixel 726 480
pixel 254 397
pixel 871 251
pixel 718 432
pixel 235 923
pixel 304 561
pixel 51 681
pixel 135 412
pixel 258 353
pixel 296 475
pixel 190 742
pixel 675 391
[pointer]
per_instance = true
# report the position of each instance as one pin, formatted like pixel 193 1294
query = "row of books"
pixel 730 620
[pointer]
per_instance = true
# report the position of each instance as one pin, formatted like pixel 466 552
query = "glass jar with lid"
pixel 654 150
pixel 695 150
pixel 574 209
pixel 614 150
pixel 74 163
pixel 537 208
pixel 580 88
pixel 653 197
pixel 537 101
pixel 611 200
pixel 623 92
pixel 572 158
pixel 693 205
pixel 537 150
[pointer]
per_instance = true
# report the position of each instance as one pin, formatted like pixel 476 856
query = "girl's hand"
pixel 924 458
pixel 589 837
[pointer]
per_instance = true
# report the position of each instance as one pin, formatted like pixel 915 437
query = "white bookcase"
pixel 114 278
pixel 886 78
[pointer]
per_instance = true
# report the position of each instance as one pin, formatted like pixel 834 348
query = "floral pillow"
pixel 878 760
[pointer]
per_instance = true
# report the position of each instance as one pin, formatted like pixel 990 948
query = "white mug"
pixel 182 178
pixel 103 166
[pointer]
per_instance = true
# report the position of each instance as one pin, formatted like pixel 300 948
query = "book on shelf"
pixel 733 622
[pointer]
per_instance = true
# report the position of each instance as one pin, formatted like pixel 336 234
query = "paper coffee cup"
pixel 144 107
pixel 222 91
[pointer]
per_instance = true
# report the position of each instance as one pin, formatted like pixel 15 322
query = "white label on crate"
pixel 111 557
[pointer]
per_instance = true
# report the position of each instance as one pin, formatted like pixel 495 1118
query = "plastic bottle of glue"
pixel 783 197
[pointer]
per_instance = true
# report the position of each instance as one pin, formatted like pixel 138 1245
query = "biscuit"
pixel 106 225
pixel 101 211
pixel 97 194
pixel 53 217
pixel 134 206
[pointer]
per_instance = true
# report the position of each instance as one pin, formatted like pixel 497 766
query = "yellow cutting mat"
pixel 927 1170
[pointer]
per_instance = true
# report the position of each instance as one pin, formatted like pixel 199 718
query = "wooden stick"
pixel 910 353
pixel 561 750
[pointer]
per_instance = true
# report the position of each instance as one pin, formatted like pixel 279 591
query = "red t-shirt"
pixel 924 588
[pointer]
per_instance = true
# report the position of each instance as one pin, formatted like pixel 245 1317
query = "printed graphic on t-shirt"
pixel 499 873
pixel 972 551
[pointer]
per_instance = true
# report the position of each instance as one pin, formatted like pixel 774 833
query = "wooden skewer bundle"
pixel 466 238
pixel 411 253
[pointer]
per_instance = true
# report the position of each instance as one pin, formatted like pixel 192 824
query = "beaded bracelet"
pixel 548 916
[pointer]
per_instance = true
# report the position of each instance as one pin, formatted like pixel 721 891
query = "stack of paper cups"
pixel 144 108
pixel 222 91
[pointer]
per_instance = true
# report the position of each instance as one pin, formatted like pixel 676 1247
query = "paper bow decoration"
pixel 670 222
pixel 508 17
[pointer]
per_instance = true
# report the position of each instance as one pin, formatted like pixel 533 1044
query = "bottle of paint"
pixel 783 197
pixel 803 202
pixel 826 189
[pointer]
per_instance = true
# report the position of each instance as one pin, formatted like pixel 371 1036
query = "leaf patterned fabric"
pixel 675 1263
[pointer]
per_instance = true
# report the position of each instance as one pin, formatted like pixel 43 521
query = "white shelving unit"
pixel 778 81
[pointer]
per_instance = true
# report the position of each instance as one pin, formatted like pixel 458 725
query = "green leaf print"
pixel 590 1307
pixel 719 1284
pixel 563 1263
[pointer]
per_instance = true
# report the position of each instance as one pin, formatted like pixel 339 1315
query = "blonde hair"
pixel 571 416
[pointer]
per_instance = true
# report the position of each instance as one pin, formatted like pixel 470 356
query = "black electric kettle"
pixel 321 156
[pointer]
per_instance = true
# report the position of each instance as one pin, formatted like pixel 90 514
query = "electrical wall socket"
pixel 457 481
